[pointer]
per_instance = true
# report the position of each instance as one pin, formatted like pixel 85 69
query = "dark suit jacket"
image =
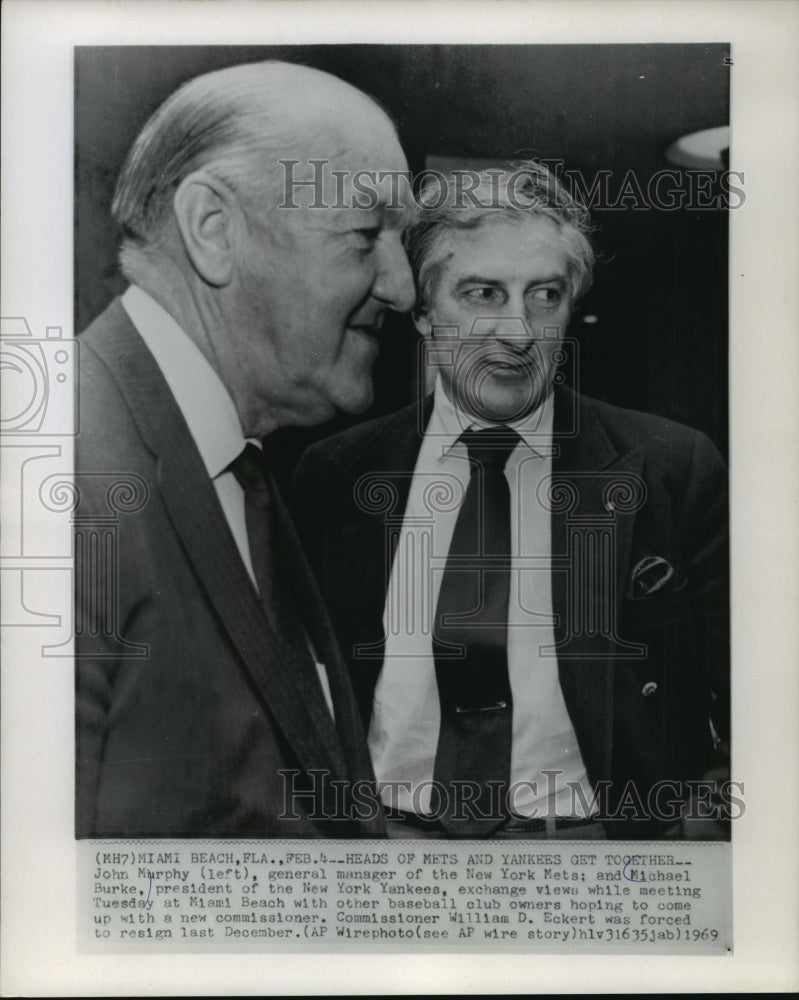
pixel 640 678
pixel 187 708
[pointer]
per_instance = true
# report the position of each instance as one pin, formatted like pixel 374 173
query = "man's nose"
pixel 511 327
pixel 394 282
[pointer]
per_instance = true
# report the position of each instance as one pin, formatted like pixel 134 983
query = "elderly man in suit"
pixel 212 699
pixel 530 586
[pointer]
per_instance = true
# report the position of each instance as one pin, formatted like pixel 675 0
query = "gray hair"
pixel 234 123
pixel 465 199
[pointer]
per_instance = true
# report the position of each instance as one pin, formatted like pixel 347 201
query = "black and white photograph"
pixel 501 592
pixel 382 474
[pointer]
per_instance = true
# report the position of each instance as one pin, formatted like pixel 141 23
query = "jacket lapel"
pixel 287 683
pixel 594 492
pixel 320 630
pixel 594 496
pixel 367 500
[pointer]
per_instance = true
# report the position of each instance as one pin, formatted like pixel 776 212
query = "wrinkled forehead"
pixel 357 163
pixel 505 245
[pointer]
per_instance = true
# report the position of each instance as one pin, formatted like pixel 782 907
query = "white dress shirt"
pixel 403 735
pixel 209 412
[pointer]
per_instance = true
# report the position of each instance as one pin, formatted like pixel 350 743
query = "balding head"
pixel 244 215
pixel 237 123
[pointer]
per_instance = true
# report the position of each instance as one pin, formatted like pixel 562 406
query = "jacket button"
pixel 649 688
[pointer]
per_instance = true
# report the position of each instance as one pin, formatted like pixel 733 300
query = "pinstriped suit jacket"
pixel 187 707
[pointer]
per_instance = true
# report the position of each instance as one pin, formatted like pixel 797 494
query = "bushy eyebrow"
pixel 477 279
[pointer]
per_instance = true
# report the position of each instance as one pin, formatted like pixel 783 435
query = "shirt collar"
pixel 448 422
pixel 203 400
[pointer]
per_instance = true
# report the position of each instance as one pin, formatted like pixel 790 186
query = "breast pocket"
pixel 663 696
pixel 659 609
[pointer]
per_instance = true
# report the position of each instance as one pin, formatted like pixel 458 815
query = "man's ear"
pixel 206 218
pixel 421 321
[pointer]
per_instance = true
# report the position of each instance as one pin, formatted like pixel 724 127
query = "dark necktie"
pixel 470 646
pixel 295 609
pixel 263 520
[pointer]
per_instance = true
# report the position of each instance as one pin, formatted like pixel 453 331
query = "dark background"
pixel 660 290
